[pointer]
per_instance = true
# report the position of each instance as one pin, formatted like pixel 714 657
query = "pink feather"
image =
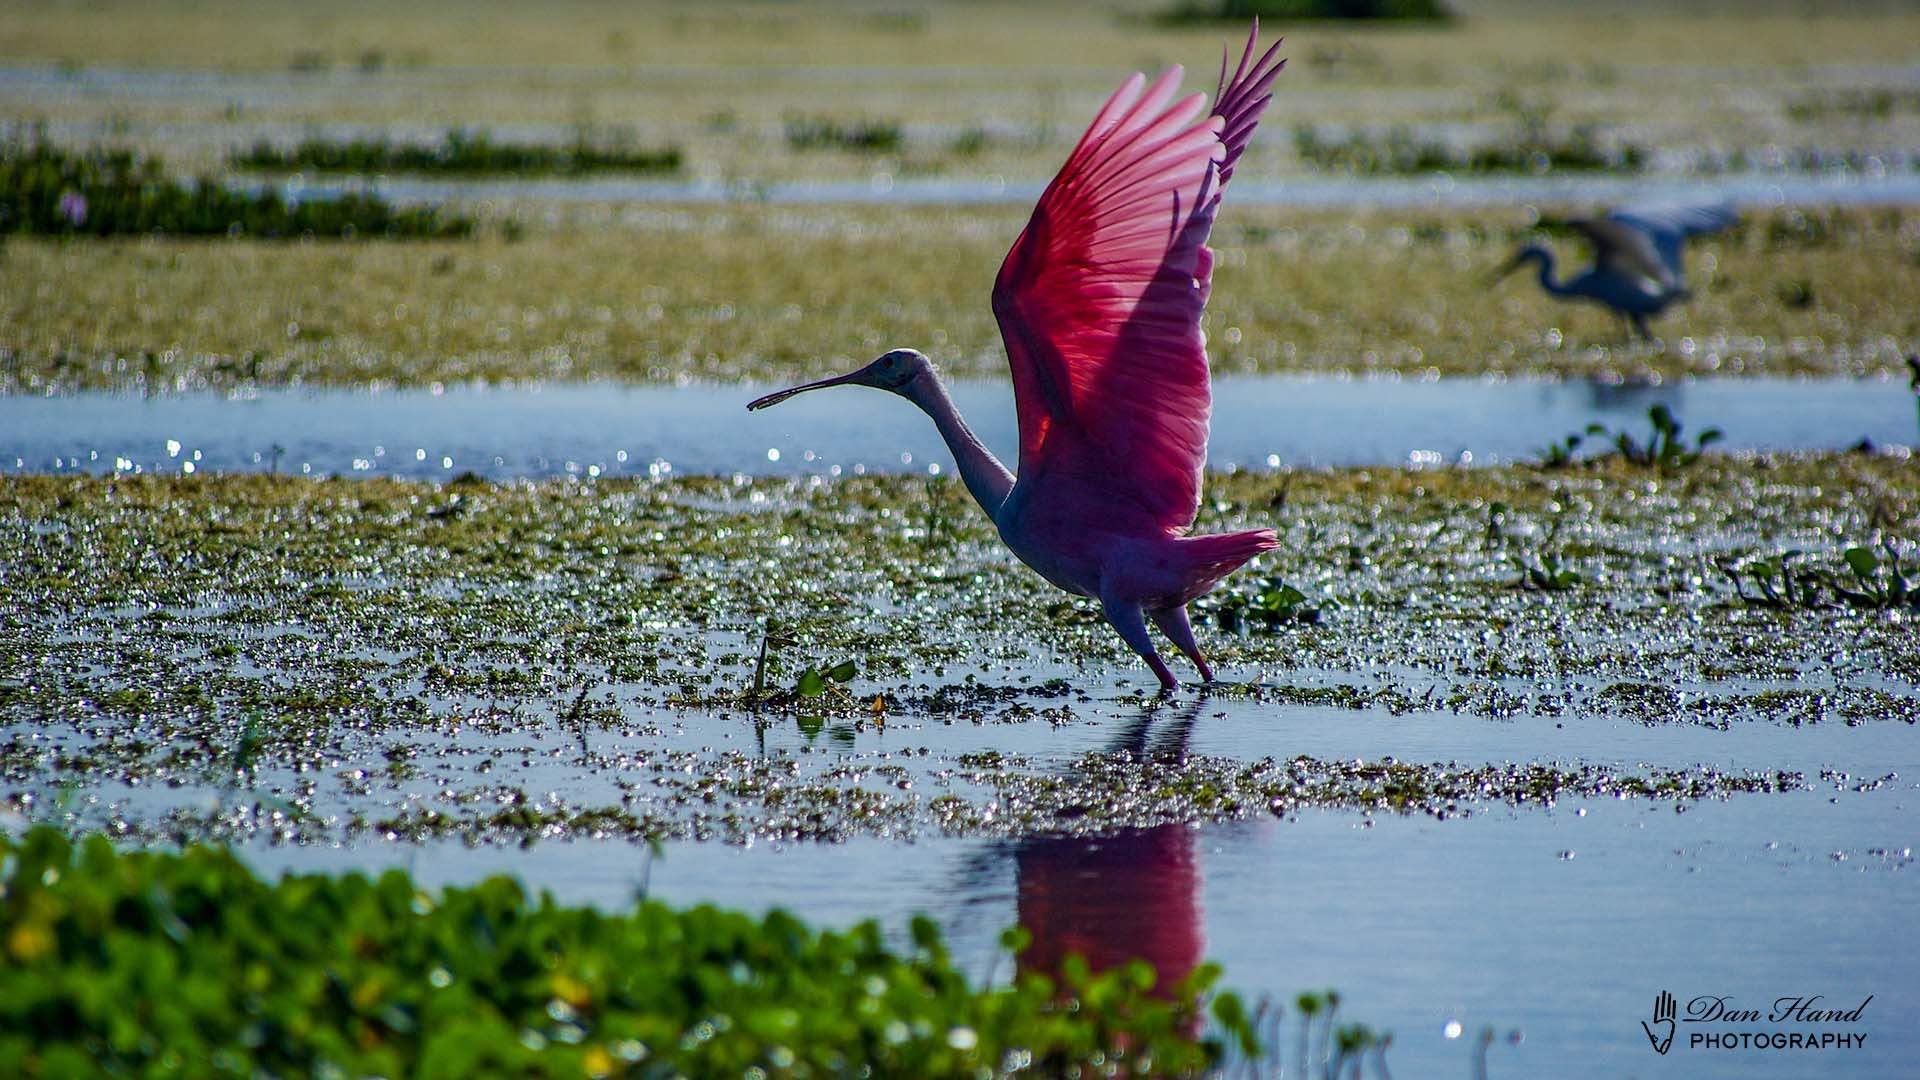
pixel 1099 303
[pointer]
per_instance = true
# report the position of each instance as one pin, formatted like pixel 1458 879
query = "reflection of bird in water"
pixel 1634 395
pixel 1130 895
pixel 1638 269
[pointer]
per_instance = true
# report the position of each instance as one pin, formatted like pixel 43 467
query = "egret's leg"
pixel 1131 622
pixel 1640 324
pixel 1172 622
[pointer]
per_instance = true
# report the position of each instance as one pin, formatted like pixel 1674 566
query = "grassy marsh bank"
pixel 720 80
pixel 669 294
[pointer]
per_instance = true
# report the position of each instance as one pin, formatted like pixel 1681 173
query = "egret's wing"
pixel 1099 301
pixel 1621 248
pixel 1668 227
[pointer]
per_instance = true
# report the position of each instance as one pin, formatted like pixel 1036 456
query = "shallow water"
pixel 602 430
pixel 1561 923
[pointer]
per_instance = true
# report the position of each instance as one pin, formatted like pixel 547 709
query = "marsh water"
pixel 1559 924
pixel 615 430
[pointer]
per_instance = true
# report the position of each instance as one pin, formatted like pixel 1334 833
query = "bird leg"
pixel 1130 621
pixel 1172 622
pixel 1640 324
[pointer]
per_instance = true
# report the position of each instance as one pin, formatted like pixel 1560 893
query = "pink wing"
pixel 1100 299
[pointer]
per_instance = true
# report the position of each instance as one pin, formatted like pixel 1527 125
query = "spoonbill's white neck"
pixel 987 480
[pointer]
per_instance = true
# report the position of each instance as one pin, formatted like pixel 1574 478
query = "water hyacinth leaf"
pixel 334 984
pixel 812 683
pixel 843 671
pixel 1862 562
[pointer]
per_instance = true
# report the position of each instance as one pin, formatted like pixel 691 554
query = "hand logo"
pixel 1663 1011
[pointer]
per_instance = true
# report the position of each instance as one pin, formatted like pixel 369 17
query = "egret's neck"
pixel 1547 281
pixel 987 480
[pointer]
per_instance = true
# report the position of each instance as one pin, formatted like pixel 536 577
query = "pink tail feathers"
pixel 1207 559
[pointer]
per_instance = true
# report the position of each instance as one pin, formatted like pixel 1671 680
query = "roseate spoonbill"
pixel 1099 306
pixel 1637 267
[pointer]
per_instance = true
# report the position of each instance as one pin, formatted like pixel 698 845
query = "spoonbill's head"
pixel 1528 254
pixel 894 372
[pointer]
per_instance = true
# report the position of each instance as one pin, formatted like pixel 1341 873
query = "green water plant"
pixel 142 963
pixel 1664 448
pixel 1208 11
pixel 1268 605
pixel 461 153
pixel 1526 148
pixel 815 681
pixel 1775 582
pixel 1872 577
pixel 45 189
pixel 1562 454
pixel 864 136
pixel 1546 572
pixel 770 635
pixel 1878 579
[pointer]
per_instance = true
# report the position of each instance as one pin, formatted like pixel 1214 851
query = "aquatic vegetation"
pixel 1547 572
pixel 865 136
pixel 816 681
pixel 1881 579
pixel 461 153
pixel 1864 103
pixel 1664 448
pixel 1560 455
pixel 1529 148
pixel 48 190
pixel 786 294
pixel 1866 578
pixel 1804 159
pixel 1285 11
pixel 123 961
pixel 1268 604
pixel 575 658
